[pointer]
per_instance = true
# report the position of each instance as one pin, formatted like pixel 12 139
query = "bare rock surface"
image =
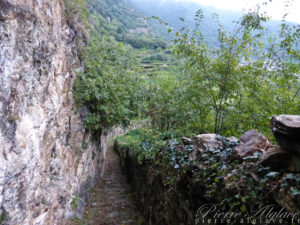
pixel 202 143
pixel 286 129
pixel 47 160
pixel 205 141
pixel 275 158
pixel 250 142
pixel 187 141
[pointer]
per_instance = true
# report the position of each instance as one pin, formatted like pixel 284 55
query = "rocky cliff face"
pixel 47 161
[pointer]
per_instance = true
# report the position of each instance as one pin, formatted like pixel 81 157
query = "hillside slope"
pixel 119 19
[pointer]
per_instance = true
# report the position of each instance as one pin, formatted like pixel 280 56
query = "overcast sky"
pixel 276 9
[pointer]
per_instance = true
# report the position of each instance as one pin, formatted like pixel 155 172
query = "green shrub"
pixel 146 143
pixel 108 84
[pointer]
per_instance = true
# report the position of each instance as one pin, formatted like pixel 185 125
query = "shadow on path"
pixel 111 202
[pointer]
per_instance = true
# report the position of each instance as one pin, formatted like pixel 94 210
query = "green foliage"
pixel 2 218
pixel 110 84
pixel 158 57
pixel 215 76
pixel 226 88
pixel 144 144
pixel 107 86
pixel 232 87
pixel 216 174
pixel 84 145
pixel 77 11
pixel 74 203
pixel 143 42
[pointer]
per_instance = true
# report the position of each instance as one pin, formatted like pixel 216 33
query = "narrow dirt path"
pixel 111 202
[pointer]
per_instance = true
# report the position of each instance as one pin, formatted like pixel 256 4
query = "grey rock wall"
pixel 47 160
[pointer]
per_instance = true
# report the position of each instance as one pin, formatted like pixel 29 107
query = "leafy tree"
pixel 236 85
pixel 108 84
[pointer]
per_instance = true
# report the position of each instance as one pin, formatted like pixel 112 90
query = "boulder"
pixel 187 141
pixel 276 158
pixel 204 142
pixel 250 142
pixel 286 129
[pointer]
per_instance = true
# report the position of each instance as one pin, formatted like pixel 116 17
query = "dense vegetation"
pixel 227 88
pixel 108 84
pixel 194 85
pixel 236 85
pixel 118 65
pixel 163 177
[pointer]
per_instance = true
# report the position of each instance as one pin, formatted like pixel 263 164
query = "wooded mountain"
pixel 170 11
pixel 126 20
pixel 121 20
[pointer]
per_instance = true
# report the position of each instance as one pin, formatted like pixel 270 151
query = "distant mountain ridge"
pixel 125 20
pixel 170 11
